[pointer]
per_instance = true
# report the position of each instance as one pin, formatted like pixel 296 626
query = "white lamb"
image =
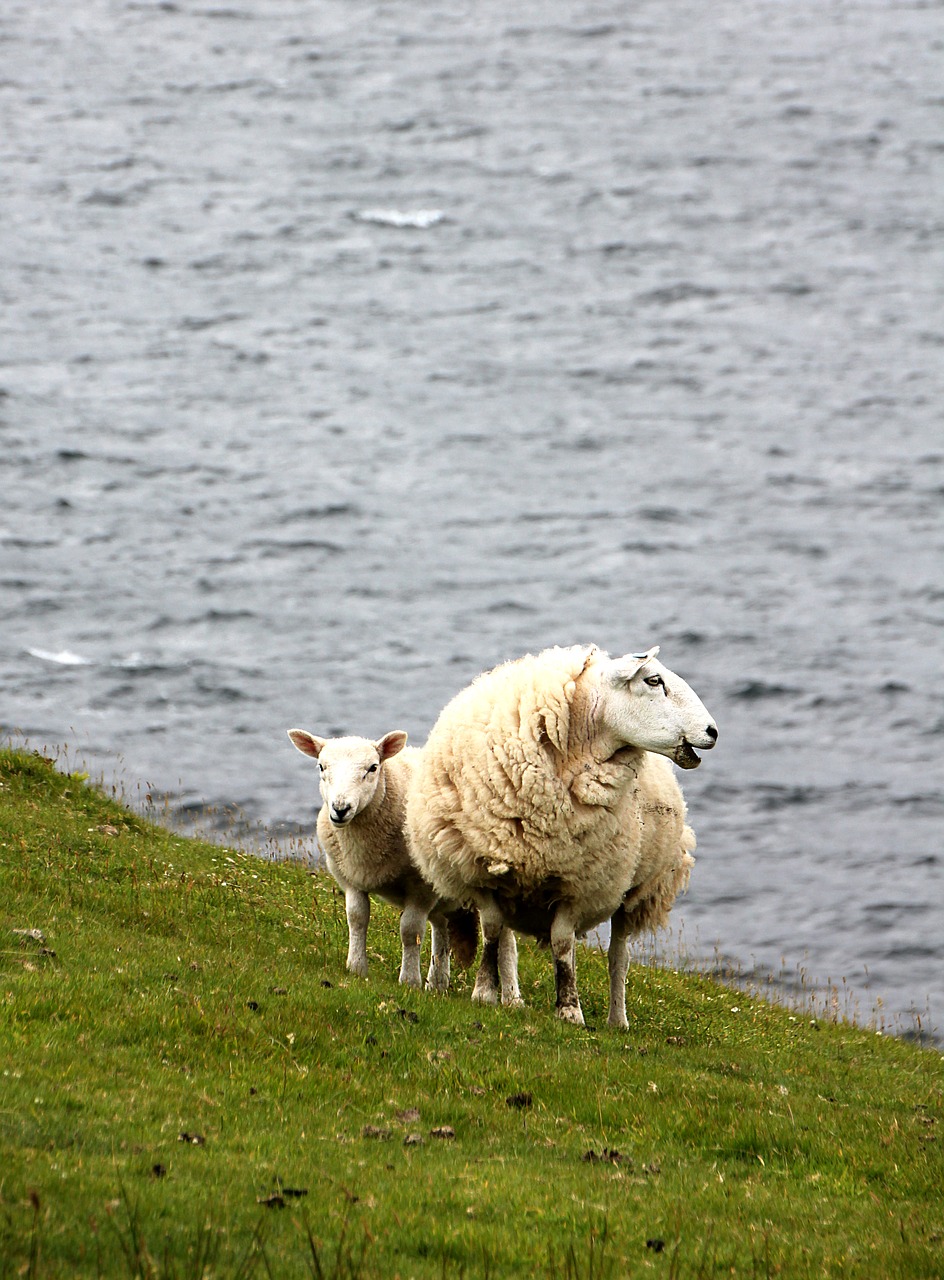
pixel 538 797
pixel 364 786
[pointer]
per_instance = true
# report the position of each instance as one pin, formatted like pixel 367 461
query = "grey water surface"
pixel 349 347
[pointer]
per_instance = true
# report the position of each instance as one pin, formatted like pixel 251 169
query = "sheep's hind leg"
pixel 563 947
pixel 617 958
pixel 508 968
pixel 412 929
pixel 438 977
pixel 486 987
pixel 357 909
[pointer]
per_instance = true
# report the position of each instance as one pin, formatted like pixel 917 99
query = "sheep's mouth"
pixel 686 757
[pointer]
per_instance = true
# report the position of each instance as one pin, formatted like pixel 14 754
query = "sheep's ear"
pixel 306 743
pixel 391 743
pixel 623 669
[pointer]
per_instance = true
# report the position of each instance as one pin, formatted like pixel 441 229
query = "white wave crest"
pixel 419 218
pixel 64 658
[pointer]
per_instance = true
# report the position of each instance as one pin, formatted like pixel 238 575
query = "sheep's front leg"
pixel 563 947
pixel 486 986
pixel 412 929
pixel 508 968
pixel 438 977
pixel 357 909
pixel 617 959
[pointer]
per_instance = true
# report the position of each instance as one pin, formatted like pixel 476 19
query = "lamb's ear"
pixel 306 743
pixel 391 743
pixel 623 669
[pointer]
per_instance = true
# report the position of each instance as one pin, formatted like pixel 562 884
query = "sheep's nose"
pixel 339 812
pixel 712 733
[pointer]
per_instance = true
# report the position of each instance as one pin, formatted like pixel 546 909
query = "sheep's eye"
pixel 655 681
pixel 372 768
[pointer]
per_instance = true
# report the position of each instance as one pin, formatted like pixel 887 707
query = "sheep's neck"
pixel 590 741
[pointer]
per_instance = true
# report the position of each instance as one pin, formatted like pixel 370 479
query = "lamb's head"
pixel 351 769
pixel 645 705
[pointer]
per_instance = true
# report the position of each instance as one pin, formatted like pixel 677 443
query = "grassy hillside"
pixel 190 1085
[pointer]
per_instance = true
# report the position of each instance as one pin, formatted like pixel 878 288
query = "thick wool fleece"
pixel 511 795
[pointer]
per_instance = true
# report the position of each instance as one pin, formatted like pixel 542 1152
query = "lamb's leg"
pixel 486 986
pixel 563 946
pixel 357 908
pixel 508 968
pixel 438 977
pixel 618 962
pixel 412 928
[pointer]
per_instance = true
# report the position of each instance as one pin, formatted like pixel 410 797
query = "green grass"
pixel 184 989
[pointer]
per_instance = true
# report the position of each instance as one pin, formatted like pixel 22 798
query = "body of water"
pixel 347 349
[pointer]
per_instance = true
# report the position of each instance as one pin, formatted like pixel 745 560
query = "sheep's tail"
pixel 464 936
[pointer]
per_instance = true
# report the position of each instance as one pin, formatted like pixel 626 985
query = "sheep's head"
pixel 646 705
pixel 351 769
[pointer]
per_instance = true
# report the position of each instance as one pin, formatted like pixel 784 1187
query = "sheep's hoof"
pixel 617 1023
pixel 358 967
pixel 437 981
pixel 485 995
pixel 571 1013
pixel 411 980
pixel 512 1001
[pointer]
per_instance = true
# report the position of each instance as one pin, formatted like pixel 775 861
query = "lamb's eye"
pixel 372 768
pixel 655 681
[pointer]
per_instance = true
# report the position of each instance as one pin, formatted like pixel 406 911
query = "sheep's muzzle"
pixel 685 756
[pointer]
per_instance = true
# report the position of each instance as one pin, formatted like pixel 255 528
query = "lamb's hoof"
pixel 437 981
pixel 618 1024
pixel 571 1013
pixel 359 970
pixel 513 1002
pixel 484 995
pixel 411 980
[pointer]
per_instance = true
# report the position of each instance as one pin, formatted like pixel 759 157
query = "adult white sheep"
pixel 361 830
pixel 545 796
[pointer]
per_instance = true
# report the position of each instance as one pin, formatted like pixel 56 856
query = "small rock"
pixel 519 1100
pixel 194 1139
pixel 373 1131
pixel 606 1156
pixel 409 1116
pixel 444 1131
pixel 413 1140
pixel 655 1245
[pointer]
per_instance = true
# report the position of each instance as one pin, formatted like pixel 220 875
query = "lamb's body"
pixel 530 798
pixel 361 831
